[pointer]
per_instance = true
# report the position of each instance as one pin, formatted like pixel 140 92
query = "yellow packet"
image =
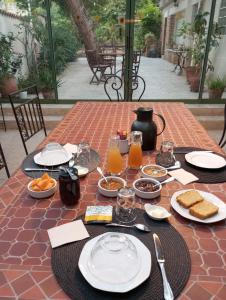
pixel 98 214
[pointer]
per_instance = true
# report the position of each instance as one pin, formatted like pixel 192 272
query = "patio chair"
pixel 28 114
pixel 222 141
pixel 3 163
pixel 136 62
pixel 97 64
pixel 3 117
pixel 113 87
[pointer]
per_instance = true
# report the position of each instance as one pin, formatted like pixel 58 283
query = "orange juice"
pixel 114 161
pixel 135 156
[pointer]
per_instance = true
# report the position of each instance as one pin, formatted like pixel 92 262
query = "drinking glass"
pixel 166 157
pixel 114 158
pixel 83 155
pixel 135 151
pixel 125 206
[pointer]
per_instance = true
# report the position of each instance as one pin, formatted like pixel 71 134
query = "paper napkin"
pixel 70 148
pixel 67 233
pixel 183 176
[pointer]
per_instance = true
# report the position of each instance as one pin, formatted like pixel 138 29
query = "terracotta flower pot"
pixel 8 85
pixel 215 93
pixel 192 72
pixel 194 84
pixel 48 94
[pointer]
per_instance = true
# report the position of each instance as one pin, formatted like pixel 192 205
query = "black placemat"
pixel 204 175
pixel 29 163
pixel 64 261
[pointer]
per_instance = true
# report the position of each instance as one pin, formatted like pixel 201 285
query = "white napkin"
pixel 70 148
pixel 183 176
pixel 67 233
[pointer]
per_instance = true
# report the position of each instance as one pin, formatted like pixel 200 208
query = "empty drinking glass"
pixel 125 206
pixel 83 155
pixel 166 157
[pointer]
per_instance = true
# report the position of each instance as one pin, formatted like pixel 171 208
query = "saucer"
pixel 156 212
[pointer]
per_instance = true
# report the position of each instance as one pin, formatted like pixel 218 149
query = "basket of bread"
pixel 42 187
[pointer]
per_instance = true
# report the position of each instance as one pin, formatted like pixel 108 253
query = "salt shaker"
pixel 69 186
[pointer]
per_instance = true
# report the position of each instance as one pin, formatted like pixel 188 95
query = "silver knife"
pixel 41 170
pixel 168 294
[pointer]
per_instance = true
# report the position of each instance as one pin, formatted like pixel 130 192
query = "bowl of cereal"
pixel 147 188
pixel 110 187
pixel 154 171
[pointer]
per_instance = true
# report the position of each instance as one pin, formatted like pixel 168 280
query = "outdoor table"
pixel 24 245
pixel 112 54
pixel 181 56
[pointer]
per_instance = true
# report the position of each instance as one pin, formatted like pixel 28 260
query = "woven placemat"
pixel 29 163
pixel 64 261
pixel 204 175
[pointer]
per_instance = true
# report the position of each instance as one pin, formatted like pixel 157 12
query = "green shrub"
pixel 216 84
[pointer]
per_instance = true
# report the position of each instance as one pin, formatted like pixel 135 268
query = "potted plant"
pixel 216 87
pixel 9 64
pixel 46 82
pixel 23 83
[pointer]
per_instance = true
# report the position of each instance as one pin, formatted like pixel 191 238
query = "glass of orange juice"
pixel 135 151
pixel 114 158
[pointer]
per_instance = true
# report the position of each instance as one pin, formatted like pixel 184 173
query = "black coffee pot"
pixel 147 126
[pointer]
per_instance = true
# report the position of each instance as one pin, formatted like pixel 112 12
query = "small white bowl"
pixel 147 195
pixel 158 176
pixel 42 194
pixel 156 212
pixel 110 193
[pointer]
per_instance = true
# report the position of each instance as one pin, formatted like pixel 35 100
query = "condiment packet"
pixel 98 214
pixel 67 233
pixel 183 176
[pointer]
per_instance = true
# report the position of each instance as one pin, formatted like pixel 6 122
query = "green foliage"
pixel 9 61
pixel 45 79
pixel 216 83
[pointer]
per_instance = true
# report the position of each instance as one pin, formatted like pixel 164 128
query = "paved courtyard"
pixel 161 82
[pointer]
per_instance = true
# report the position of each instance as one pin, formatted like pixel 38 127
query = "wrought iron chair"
pixel 136 62
pixel 97 64
pixel 3 163
pixel 222 141
pixel 28 114
pixel 113 87
pixel 3 117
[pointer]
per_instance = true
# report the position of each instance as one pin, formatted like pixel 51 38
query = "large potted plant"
pixel 216 87
pixel 9 64
pixel 46 82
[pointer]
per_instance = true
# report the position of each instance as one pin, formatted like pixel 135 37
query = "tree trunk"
pixel 82 22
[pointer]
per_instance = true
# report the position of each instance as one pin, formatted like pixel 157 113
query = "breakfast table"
pixel 25 263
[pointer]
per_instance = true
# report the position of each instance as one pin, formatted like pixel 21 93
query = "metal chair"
pixel 222 141
pixel 28 114
pixel 97 64
pixel 3 117
pixel 3 163
pixel 113 87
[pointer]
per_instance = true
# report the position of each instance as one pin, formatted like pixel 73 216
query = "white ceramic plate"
pixel 221 215
pixel 54 159
pixel 205 160
pixel 142 275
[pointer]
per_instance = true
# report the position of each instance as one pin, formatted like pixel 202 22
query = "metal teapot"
pixel 147 126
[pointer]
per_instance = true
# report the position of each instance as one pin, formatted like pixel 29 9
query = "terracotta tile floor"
pixel 25 269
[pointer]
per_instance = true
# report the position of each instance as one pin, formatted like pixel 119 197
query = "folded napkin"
pixel 70 148
pixel 67 233
pixel 183 176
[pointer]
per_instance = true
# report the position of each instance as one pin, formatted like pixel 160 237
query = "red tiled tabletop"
pixel 25 269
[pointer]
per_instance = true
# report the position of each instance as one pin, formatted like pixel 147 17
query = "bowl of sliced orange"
pixel 42 187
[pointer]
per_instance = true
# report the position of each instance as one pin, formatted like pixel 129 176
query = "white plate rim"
pixel 188 158
pixel 184 212
pixel 38 160
pixel 143 273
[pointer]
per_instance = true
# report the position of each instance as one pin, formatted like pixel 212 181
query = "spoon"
pixel 71 163
pixel 102 174
pixel 165 181
pixel 141 227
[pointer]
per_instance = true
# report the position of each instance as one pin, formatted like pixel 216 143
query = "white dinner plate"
pixel 142 275
pixel 54 159
pixel 184 212
pixel 205 160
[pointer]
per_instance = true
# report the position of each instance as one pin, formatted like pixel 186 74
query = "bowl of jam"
pixel 147 188
pixel 110 187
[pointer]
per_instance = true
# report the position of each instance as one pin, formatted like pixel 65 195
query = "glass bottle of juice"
pixel 135 151
pixel 114 158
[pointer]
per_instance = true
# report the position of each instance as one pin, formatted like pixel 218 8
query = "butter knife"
pixel 40 170
pixel 168 294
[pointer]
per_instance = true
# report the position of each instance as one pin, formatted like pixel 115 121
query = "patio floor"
pixel 161 82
